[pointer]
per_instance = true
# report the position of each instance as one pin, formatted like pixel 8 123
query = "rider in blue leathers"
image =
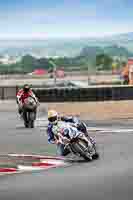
pixel 53 118
pixel 50 126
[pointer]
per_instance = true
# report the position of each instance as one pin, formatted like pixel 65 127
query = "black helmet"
pixel 26 88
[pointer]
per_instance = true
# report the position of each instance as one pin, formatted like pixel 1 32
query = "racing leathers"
pixel 50 126
pixel 63 128
pixel 21 96
pixel 75 124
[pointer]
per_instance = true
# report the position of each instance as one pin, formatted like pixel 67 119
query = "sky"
pixel 64 18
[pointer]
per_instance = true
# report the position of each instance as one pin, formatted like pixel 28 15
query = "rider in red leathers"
pixel 22 95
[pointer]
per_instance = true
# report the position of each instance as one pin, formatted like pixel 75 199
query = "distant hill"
pixel 124 37
pixel 118 51
pixel 112 51
pixel 70 47
pixel 90 51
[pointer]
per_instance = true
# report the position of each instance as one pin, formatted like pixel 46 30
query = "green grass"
pixel 8 165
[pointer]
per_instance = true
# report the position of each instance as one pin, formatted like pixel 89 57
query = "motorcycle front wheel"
pixel 25 118
pixel 31 119
pixel 80 146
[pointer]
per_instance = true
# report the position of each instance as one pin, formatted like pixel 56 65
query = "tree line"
pixel 93 58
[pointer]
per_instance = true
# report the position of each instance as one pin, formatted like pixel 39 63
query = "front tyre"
pixel 31 119
pixel 81 148
pixel 25 118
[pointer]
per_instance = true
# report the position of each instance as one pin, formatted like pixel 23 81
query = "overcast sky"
pixel 64 18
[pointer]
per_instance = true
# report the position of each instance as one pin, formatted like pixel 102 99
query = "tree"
pixel 28 63
pixel 43 63
pixel 104 62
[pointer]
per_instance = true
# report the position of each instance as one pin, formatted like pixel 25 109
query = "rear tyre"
pixel 31 119
pixel 26 125
pixel 32 124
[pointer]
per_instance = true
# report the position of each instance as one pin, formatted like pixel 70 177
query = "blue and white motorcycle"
pixel 76 141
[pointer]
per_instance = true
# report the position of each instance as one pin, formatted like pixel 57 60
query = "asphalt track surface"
pixel 109 178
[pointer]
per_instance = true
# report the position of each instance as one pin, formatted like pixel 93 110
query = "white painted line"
pixel 109 129
pixel 27 155
pixel 42 119
pixel 30 168
pixel 41 122
pixel 117 131
pixel 35 156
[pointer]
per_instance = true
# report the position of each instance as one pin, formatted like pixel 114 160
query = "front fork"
pixel 86 139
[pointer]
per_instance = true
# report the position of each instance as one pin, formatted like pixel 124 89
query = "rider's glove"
pixel 66 140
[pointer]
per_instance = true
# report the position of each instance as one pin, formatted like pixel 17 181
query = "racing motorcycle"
pixel 29 112
pixel 78 143
pixel 80 125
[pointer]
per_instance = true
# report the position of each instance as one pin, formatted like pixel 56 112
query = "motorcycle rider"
pixel 73 120
pixel 54 120
pixel 22 94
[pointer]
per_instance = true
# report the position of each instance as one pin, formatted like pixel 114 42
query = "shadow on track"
pixel 23 128
pixel 97 157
